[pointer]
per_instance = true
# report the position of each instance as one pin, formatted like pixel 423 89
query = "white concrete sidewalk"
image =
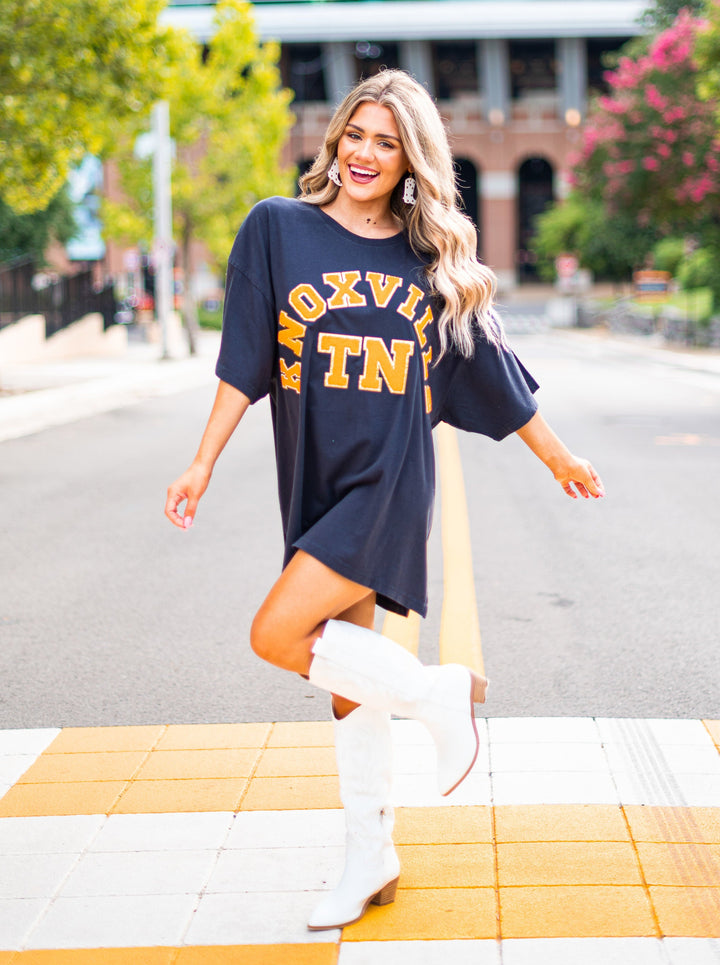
pixel 55 393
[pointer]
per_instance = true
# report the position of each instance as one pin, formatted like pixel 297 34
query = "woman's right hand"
pixel 187 488
pixel 228 409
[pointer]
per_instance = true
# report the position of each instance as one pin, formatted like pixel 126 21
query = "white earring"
pixel 409 190
pixel 334 172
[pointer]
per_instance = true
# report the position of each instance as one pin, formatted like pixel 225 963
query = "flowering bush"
pixel 651 146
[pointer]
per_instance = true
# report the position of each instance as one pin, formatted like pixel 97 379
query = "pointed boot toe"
pixel 451 722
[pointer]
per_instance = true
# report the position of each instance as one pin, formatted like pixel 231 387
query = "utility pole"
pixel 162 219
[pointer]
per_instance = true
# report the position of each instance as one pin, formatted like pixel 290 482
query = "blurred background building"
pixel 512 78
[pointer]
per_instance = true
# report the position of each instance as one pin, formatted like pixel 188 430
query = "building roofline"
pixel 426 20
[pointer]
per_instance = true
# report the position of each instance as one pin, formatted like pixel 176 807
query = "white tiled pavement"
pixel 83 881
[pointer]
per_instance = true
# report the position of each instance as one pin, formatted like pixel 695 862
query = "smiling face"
pixel 371 155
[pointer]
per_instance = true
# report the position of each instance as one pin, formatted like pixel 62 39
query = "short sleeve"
pixel 249 332
pixel 490 393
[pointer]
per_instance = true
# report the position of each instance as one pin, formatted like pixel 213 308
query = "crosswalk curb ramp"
pixel 573 840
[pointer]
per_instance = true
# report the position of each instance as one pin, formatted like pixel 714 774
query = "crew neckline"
pixel 360 239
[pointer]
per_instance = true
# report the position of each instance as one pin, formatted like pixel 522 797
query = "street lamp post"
pixel 162 219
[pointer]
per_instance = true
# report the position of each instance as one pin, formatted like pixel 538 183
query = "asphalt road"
pixel 108 615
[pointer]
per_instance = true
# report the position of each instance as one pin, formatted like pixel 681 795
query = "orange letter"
pixel 378 361
pixel 408 306
pixel 338 347
pixel 309 305
pixel 345 295
pixel 292 333
pixel 383 287
pixel 290 375
pixel 421 325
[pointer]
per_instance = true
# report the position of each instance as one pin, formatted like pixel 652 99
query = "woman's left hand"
pixel 575 475
pixel 579 477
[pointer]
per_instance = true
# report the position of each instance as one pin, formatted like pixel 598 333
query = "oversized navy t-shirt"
pixel 340 331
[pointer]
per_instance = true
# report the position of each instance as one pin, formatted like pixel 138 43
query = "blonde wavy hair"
pixel 437 230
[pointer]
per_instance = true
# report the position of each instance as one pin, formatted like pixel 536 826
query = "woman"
pixel 362 310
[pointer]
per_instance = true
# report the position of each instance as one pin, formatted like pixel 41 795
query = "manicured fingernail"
pixel 187 522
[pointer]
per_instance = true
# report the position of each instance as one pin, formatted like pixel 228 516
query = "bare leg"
pixel 295 611
pixel 297 628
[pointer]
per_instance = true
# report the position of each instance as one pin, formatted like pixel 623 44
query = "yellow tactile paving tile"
pixel 96 956
pixel 296 762
pixel 155 797
pixel 434 825
pixel 567 863
pixel 429 914
pixel 31 800
pixel 72 740
pixel 302 734
pixel 687 912
pixel 447 865
pixel 681 864
pixel 186 737
pixel 233 762
pixel 77 767
pixel 674 824
pixel 570 822
pixel 292 793
pixel 324 953
pixel 588 911
pixel 713 727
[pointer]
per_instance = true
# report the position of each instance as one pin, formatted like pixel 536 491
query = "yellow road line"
pixel 459 626
pixel 403 630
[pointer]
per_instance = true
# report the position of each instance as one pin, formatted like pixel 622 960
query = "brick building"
pixel 512 79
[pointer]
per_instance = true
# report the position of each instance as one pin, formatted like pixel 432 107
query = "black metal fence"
pixel 670 323
pixel 62 301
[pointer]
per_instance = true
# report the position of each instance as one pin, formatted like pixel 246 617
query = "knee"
pixel 278 641
pixel 262 638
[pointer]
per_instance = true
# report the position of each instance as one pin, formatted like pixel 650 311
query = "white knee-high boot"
pixel 363 746
pixel 363 666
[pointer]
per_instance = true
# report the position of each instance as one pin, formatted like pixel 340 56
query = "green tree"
pixel 612 246
pixel 229 119
pixel 70 70
pixel 707 53
pixel 661 14
pixel 30 234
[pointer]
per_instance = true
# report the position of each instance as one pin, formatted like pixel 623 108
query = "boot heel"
pixel 386 895
pixel 479 688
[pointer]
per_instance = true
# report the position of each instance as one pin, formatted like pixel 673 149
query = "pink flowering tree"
pixel 651 147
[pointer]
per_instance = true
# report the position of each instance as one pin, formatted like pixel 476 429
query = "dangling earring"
pixel 334 173
pixel 409 190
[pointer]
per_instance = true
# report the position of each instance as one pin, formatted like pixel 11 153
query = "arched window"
pixel 535 193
